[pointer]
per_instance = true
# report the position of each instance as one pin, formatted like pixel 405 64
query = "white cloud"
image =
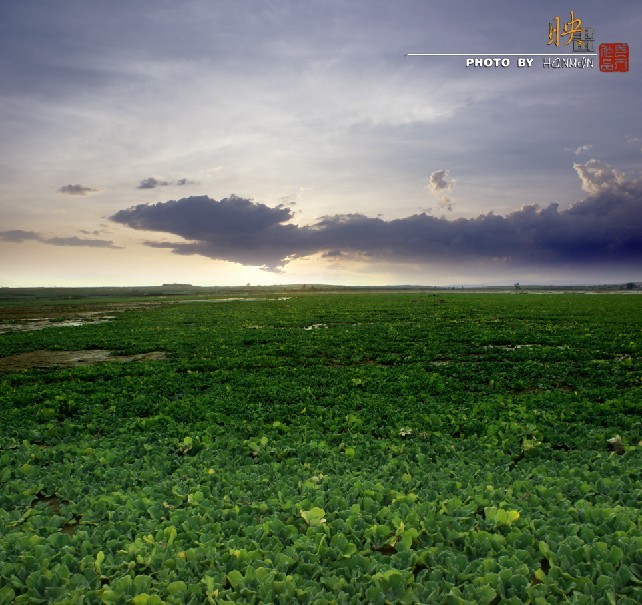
pixel 438 182
pixel 598 176
pixel 582 148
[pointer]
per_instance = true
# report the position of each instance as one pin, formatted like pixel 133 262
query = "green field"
pixel 327 448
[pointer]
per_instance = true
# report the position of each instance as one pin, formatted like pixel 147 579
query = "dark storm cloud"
pixel 152 183
pixel 233 228
pixel 334 254
pixel 605 227
pixel 18 236
pixel 76 190
pixel 200 217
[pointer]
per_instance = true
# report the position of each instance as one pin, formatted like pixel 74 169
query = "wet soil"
pixel 27 325
pixel 70 359
pixel 230 299
pixel 26 318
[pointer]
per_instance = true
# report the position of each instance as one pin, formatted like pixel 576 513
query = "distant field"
pixel 319 448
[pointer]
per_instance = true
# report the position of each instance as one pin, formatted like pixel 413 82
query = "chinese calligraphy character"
pixel 570 29
pixel 584 40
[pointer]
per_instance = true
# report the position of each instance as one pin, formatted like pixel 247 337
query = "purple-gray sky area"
pixel 219 143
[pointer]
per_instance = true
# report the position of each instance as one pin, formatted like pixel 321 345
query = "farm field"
pixel 323 448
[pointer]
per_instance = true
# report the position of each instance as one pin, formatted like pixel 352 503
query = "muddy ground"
pixel 70 359
pixel 20 318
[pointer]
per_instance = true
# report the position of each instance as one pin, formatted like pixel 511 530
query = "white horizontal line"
pixel 575 54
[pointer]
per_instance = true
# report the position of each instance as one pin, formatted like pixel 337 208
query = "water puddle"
pixel 70 359
pixel 511 347
pixel 516 347
pixel 17 320
pixel 231 299
pixel 26 319
pixel 316 327
pixel 40 323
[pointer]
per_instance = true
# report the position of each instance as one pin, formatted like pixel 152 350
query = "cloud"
pixel 197 217
pixel 438 182
pixel 603 228
pixel 18 236
pixel 76 190
pixel 77 241
pixel 334 254
pixel 582 148
pixel 597 176
pixel 152 183
pixel 94 232
pixel 439 186
pixel 234 228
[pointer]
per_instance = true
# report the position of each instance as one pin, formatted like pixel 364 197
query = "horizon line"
pixel 331 285
pixel 499 54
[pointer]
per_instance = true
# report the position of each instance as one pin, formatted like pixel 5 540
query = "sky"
pixel 280 141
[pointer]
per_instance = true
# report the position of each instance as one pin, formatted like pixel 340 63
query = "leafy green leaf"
pixel 314 516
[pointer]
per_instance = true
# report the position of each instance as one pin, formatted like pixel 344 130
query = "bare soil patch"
pixel 37 317
pixel 70 359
